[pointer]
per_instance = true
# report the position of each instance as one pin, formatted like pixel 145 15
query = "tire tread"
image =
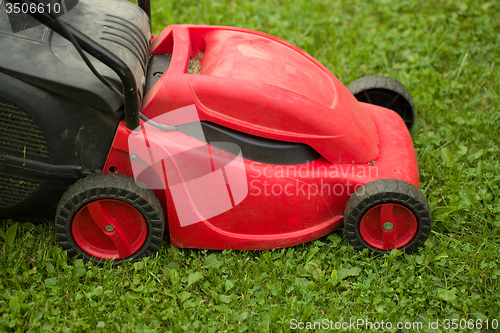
pixel 387 191
pixel 109 186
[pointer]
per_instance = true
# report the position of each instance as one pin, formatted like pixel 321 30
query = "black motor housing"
pixel 57 120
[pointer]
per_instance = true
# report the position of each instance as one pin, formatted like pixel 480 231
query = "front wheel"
pixel 387 214
pixel 109 217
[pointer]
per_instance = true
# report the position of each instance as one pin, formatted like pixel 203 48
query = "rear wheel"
pixel 109 216
pixel 387 92
pixel 387 214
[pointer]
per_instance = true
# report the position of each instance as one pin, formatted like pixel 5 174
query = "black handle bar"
pixel 145 6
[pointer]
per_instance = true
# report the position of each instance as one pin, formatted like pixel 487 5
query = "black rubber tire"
pixel 387 92
pixel 109 186
pixel 387 191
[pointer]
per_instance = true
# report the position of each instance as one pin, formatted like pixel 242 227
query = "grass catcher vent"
pixel 13 191
pixel 20 132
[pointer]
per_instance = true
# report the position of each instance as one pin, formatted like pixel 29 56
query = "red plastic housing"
pixel 260 85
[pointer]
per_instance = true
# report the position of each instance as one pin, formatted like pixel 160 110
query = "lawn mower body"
pixel 258 109
pixel 268 90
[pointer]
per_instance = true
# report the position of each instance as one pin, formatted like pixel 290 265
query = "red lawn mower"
pixel 220 137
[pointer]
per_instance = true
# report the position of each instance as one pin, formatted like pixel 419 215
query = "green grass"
pixel 448 54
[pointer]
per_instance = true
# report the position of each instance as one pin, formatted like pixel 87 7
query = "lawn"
pixel 448 54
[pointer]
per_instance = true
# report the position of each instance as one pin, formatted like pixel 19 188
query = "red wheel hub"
pixel 388 226
pixel 109 229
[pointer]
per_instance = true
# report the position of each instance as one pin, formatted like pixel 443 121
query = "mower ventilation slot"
pixel 125 33
pixel 13 191
pixel 19 131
